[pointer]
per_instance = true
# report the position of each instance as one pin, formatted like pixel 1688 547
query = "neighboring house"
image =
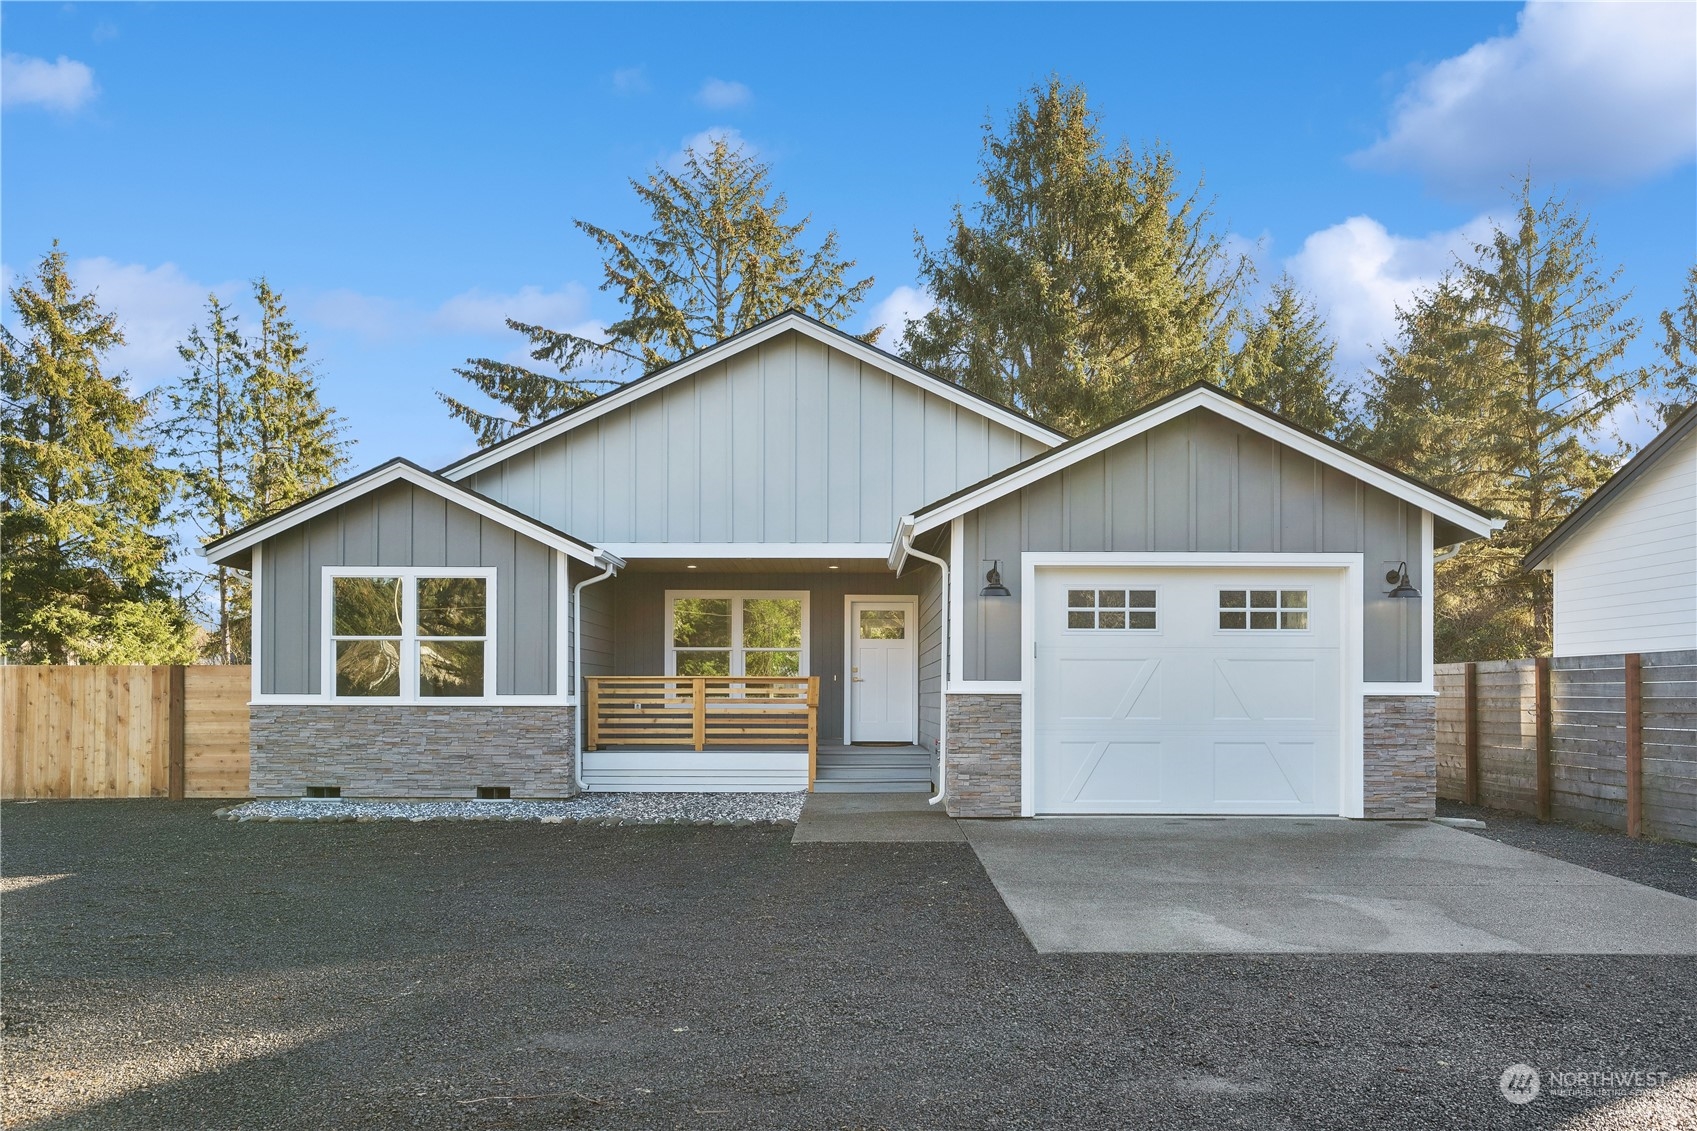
pixel 1624 562
pixel 787 539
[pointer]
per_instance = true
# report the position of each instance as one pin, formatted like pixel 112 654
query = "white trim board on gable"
pixel 748 339
pixel 1050 463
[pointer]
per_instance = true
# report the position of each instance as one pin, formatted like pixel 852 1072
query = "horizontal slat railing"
pixel 703 711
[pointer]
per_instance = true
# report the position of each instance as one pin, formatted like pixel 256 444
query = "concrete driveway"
pixel 1165 885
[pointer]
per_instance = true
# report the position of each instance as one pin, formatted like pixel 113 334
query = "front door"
pixel 883 676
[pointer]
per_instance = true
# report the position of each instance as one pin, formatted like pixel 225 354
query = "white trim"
pixel 1428 601
pixel 690 551
pixel 565 663
pixel 1045 466
pixel 409 576
pixel 850 634
pixel 985 687
pixel 1352 779
pixel 382 477
pixel 957 604
pixel 1408 689
pixel 737 597
pixel 255 608
pixel 642 386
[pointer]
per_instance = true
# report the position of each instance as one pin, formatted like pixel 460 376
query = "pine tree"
pixel 83 578
pixel 719 258
pixel 295 442
pixel 1502 390
pixel 1284 363
pixel 1679 347
pixel 1085 284
pixel 206 440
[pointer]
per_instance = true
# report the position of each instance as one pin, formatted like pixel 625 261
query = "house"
pixel 794 561
pixel 1624 563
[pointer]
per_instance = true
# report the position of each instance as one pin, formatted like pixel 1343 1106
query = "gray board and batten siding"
pixel 401 525
pixel 1199 483
pixel 790 441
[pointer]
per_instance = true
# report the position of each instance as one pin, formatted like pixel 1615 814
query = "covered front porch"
pixel 760 675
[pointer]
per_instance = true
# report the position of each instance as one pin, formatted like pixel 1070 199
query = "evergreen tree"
pixel 1679 347
pixel 294 441
pixel 1517 364
pixel 206 437
pixel 1284 363
pixel 83 576
pixel 719 258
pixel 1085 284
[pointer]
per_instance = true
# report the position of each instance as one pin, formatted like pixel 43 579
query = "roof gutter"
pixel 898 554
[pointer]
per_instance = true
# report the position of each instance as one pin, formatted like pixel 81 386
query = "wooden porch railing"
pixel 702 711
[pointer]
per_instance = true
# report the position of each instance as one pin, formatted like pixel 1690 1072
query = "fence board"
pixel 105 731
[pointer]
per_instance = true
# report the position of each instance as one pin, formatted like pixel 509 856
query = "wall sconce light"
pixel 1399 578
pixel 993 586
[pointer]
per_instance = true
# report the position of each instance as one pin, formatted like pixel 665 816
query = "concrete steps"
pixel 874 769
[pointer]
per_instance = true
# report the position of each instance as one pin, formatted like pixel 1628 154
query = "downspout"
pixel 613 565
pixel 908 547
pixel 1444 554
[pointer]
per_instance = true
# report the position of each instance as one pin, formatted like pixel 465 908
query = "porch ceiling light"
pixel 1399 578
pixel 993 586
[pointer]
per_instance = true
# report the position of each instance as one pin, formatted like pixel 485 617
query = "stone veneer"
pixel 410 749
pixel 983 776
pixel 1400 740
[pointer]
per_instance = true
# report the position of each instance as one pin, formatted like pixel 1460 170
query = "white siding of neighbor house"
pixel 789 441
pixel 1627 580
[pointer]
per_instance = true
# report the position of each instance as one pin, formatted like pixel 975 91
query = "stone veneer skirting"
pixel 983 774
pixel 410 749
pixel 1400 740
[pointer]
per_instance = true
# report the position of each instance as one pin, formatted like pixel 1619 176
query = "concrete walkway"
pixel 1164 885
pixel 873 818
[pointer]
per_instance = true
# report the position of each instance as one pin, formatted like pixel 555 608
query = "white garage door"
pixel 1188 691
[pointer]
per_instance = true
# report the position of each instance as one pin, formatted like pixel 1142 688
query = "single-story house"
pixel 1624 563
pixel 794 561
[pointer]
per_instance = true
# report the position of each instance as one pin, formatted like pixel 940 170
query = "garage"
pixel 1189 690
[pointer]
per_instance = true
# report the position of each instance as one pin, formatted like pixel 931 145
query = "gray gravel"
pixel 1667 864
pixel 168 971
pixel 739 809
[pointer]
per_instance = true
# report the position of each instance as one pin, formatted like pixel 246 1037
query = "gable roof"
pixel 1651 454
pixel 237 545
pixel 789 320
pixel 1200 395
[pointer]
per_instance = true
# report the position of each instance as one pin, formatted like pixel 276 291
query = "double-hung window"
pixel 409 634
pixel 759 634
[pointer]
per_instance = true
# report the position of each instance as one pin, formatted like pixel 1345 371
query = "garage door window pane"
pixel 1076 619
pixel 1081 598
pixel 1114 619
pixel 1294 599
pixel 1110 598
pixel 1230 619
pixel 1263 598
pixel 1233 599
pixel 1138 619
pixel 1296 620
pixel 1141 599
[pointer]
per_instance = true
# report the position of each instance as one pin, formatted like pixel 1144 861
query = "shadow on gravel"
pixel 1667 864
pixel 191 973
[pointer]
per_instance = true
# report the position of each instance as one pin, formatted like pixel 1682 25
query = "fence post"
pixel 175 701
pixel 1541 765
pixel 1634 745
pixel 1470 734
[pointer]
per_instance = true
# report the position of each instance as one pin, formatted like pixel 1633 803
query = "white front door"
pixel 883 686
pixel 1188 691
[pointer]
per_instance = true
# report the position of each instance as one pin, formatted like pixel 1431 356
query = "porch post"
pixel 698 688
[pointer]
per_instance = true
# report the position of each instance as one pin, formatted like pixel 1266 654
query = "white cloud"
pixel 895 310
pixel 155 306
pixel 64 84
pixel 703 142
pixel 630 80
pixel 1600 92
pixel 481 312
pixel 1359 273
pixel 720 94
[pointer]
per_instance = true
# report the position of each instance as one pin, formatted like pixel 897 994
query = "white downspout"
pixel 1444 554
pixel 943 697
pixel 577 665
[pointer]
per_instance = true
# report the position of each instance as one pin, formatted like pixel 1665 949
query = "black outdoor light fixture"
pixel 993 586
pixel 1399 578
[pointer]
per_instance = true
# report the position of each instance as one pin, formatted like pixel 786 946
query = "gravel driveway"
pixel 167 970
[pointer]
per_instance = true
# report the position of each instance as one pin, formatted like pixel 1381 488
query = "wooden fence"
pixel 1610 740
pixel 116 731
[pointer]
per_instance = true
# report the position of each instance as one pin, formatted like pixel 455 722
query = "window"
pixel 1264 609
pixel 761 634
pixel 410 634
pixel 1111 609
pixel 883 624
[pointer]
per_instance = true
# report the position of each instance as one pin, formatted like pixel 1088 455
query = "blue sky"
pixel 407 174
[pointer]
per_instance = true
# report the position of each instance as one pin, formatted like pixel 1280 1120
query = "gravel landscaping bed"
pixel 1667 864
pixel 736 809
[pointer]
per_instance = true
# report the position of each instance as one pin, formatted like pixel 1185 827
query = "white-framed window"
pixel 1264 610
pixel 409 634
pixel 715 632
pixel 1119 609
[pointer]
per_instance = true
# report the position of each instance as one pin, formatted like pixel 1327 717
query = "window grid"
pixel 1263 610
pixel 1112 610
pixel 403 662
